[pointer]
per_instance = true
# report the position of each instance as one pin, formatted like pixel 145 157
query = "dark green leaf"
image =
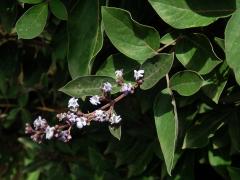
pixel 232 38
pixel 155 69
pixel 192 13
pixel 32 22
pixel 8 13
pixel 115 131
pixel 11 118
pixel 186 83
pixel 234 173
pixel 87 86
pixel 141 163
pixel 218 80
pixel 83 30
pixel 23 99
pixel 58 9
pixel 234 132
pixel 135 40
pixel 166 127
pixel 196 53
pixel 197 136
pixel 219 159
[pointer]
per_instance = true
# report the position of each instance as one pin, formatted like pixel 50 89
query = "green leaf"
pixel 99 42
pixel 234 173
pixel 166 127
pixel 115 131
pixel 83 24
pixel 58 9
pixel 11 118
pixel 34 175
pixel 218 80
pixel 87 86
pixel 220 42
pixel 23 99
pixel 233 129
pixel 135 40
pixel 232 38
pixel 28 144
pixel 32 22
pixel 204 128
pixel 186 169
pixel 196 53
pixel 155 69
pixel 186 83
pixel 8 14
pixel 97 161
pixel 31 1
pixel 219 159
pixel 169 38
pixel 183 14
pixel 117 62
pixel 141 163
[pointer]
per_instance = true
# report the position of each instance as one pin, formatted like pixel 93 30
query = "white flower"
pixel 95 100
pixel 126 87
pixel 49 132
pixel 100 115
pixel 73 104
pixel 61 116
pixel 81 121
pixel 64 136
pixel 40 123
pixel 107 87
pixel 138 74
pixel 115 119
pixel 71 117
pixel 119 73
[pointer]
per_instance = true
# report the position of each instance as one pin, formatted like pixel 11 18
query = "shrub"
pixel 173 109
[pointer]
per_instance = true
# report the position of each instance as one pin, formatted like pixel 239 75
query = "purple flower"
pixel 39 123
pixel 107 87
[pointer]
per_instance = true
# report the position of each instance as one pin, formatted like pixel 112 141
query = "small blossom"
pixel 126 88
pixel 37 137
pixel 49 132
pixel 107 87
pixel 81 121
pixel 39 123
pixel 119 73
pixel 100 115
pixel 138 74
pixel 61 116
pixel 115 119
pixel 64 136
pixel 28 129
pixel 73 104
pixel 95 100
pixel 71 117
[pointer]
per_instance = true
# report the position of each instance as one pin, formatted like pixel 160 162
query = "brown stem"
pixel 46 109
pixel 113 102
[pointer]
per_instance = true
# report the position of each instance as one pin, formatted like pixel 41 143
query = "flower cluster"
pixel 73 117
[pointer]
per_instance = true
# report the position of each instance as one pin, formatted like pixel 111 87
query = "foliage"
pixel 182 123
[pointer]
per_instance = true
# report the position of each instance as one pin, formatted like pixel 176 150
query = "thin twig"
pixel 166 45
pixel 46 109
